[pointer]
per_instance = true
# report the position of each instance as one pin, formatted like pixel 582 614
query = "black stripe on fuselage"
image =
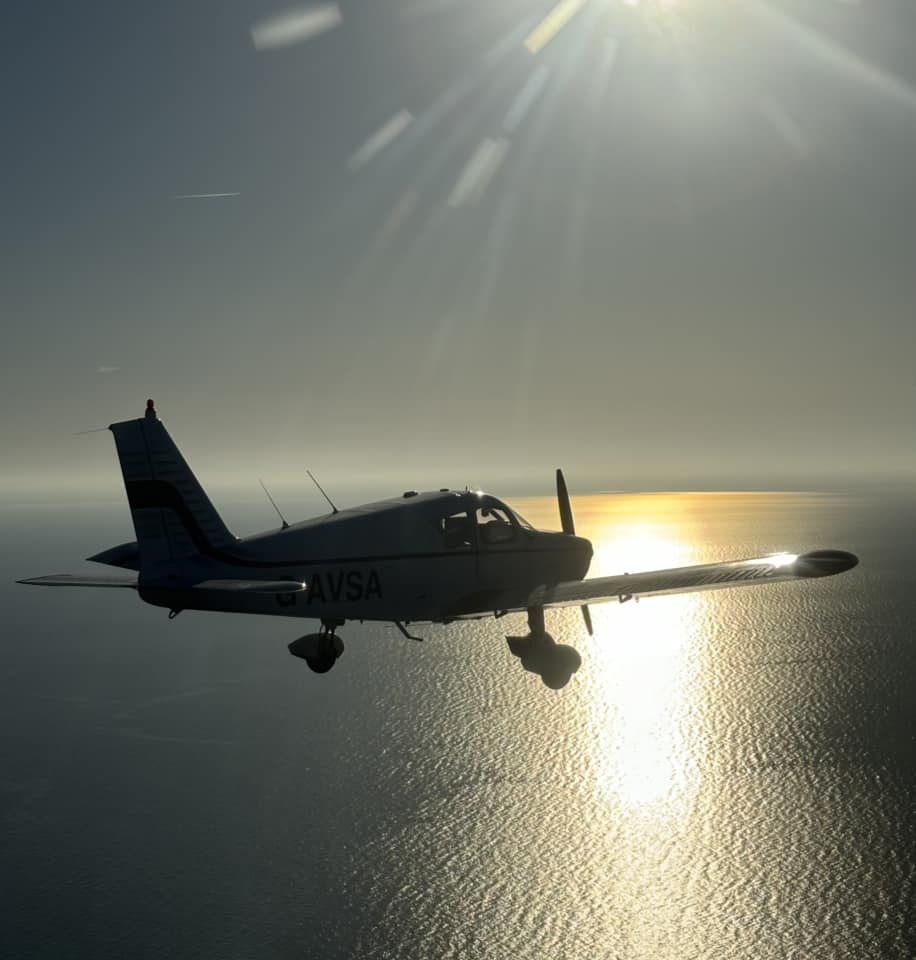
pixel 160 495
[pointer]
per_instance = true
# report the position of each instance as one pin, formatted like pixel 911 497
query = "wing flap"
pixel 708 576
pixel 74 580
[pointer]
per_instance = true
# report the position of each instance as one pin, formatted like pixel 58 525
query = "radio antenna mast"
pixel 274 505
pixel 317 484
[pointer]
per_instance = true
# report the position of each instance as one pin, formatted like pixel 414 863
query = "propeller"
pixel 568 526
pixel 567 523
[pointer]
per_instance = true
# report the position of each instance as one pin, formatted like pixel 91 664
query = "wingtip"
pixel 826 563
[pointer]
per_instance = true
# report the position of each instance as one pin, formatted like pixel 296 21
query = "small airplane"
pixel 428 557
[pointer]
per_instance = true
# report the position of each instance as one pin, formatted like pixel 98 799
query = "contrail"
pixel 203 196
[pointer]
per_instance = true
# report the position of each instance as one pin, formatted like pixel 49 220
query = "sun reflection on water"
pixel 641 679
pixel 640 683
pixel 639 705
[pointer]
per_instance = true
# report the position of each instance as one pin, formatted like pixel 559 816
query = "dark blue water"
pixel 731 774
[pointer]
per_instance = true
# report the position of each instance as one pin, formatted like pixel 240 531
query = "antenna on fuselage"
pixel 273 504
pixel 317 484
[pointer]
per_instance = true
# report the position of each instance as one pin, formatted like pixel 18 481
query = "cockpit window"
pixel 457 532
pixel 495 524
pixel 522 522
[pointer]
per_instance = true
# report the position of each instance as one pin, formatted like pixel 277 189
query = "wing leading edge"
pixel 708 576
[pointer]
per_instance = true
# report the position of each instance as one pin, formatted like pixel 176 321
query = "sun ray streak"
pixel 784 126
pixel 526 98
pixel 495 251
pixel 582 195
pixel 380 240
pixel 480 169
pixel 845 61
pixel 441 112
pixel 552 24
pixel 380 139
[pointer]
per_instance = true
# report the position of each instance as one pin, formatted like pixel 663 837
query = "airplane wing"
pixel 73 580
pixel 708 576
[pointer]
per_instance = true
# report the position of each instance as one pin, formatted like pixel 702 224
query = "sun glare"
pixel 640 683
pixel 641 666
pixel 783 559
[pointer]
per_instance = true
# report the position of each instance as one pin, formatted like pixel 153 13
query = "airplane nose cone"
pixel 826 563
pixel 584 551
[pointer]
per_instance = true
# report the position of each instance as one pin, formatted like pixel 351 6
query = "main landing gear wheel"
pixel 553 662
pixel 319 650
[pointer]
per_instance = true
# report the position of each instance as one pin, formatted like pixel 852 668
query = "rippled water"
pixel 728 775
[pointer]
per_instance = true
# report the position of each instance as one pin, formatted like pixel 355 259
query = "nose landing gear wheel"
pixel 539 653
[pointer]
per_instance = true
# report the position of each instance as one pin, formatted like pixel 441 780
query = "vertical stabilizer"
pixel 172 515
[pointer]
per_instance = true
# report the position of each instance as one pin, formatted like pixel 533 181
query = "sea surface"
pixel 728 775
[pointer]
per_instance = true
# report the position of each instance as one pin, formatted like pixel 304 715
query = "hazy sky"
pixel 461 240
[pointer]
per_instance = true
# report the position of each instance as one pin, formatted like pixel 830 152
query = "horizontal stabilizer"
pixel 73 580
pixel 231 586
pixel 125 555
pixel 253 586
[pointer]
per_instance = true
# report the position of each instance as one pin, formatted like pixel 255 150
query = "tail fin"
pixel 172 515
